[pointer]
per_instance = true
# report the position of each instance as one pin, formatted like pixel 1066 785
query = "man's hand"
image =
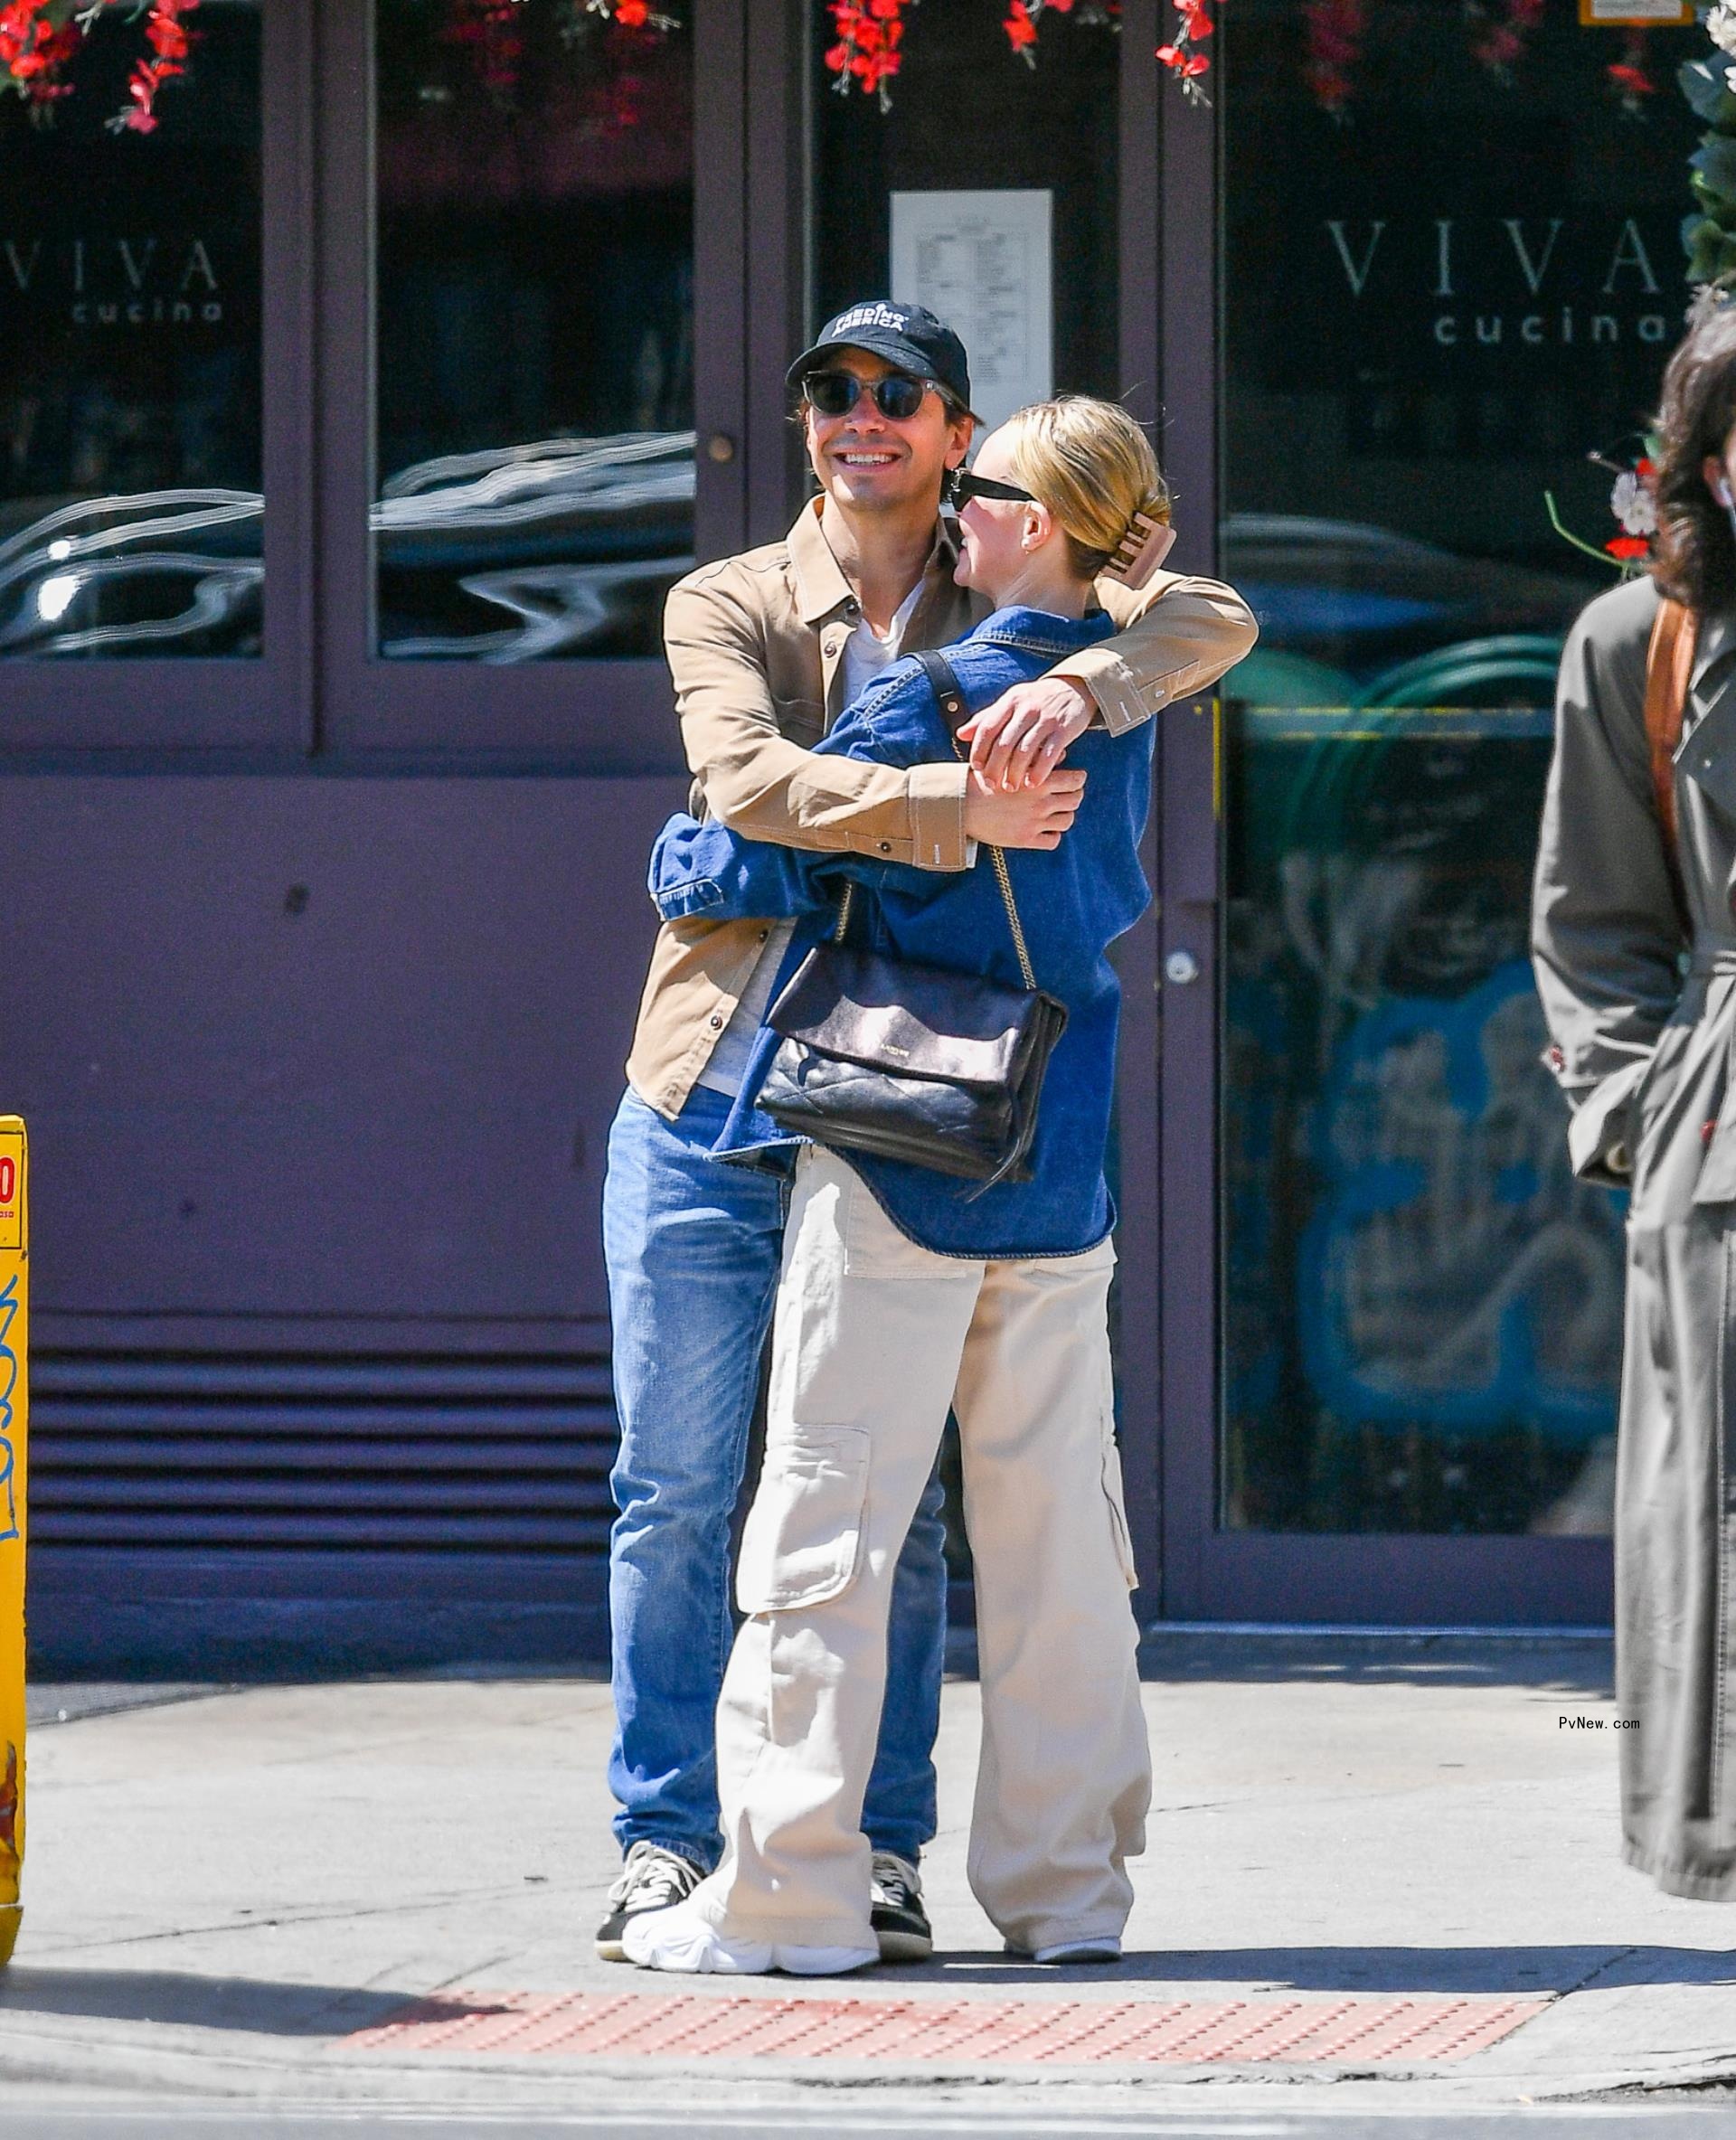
pixel 1033 816
pixel 1020 739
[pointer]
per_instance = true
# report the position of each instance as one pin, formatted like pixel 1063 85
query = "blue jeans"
pixel 693 1248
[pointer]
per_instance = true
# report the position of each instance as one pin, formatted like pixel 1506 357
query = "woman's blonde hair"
pixel 1092 467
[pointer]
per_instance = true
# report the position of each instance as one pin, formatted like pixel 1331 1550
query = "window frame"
pixel 1211 1572
pixel 252 706
pixel 605 716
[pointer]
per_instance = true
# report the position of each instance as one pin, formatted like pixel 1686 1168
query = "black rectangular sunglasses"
pixel 965 484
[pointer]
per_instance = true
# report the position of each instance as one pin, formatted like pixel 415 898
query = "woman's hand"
pixel 1019 740
pixel 1034 817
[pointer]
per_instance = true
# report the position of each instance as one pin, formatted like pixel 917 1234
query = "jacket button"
pixel 717 1024
pixel 764 934
pixel 885 846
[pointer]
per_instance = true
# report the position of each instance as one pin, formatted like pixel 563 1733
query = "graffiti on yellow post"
pixel 15 1315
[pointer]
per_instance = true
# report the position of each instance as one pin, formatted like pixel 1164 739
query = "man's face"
pixel 871 463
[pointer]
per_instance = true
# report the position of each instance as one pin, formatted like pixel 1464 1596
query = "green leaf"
pixel 1702 241
pixel 1716 161
pixel 1703 84
pixel 1711 251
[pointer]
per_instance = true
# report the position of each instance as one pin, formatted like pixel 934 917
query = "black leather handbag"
pixel 916 1063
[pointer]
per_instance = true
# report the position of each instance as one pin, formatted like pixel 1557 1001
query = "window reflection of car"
pixel 561 547
pixel 164 572
pixel 1358 616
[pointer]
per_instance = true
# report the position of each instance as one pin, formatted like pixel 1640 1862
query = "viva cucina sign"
pixel 148 281
pixel 1507 282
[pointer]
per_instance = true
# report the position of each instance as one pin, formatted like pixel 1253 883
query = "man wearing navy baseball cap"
pixel 766 649
pixel 908 336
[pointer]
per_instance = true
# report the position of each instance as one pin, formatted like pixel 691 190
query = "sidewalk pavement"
pixel 226 1888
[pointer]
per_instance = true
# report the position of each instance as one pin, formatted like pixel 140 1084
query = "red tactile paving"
pixel 1361 2029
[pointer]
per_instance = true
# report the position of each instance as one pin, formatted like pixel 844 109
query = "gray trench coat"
pixel 1641 1006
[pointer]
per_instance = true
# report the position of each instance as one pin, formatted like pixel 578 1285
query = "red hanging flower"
pixel 1336 30
pixel 39 39
pixel 166 34
pixel 1630 76
pixel 492 31
pixel 633 15
pixel 35 47
pixel 1021 24
pixel 1021 31
pixel 866 54
pixel 1503 44
pixel 1182 56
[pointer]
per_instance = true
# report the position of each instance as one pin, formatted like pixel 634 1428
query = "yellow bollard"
pixel 14 1330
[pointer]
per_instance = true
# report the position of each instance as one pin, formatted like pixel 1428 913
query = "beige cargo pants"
pixel 875 1338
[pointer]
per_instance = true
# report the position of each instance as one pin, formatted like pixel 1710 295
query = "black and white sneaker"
pixel 652 1877
pixel 899 1921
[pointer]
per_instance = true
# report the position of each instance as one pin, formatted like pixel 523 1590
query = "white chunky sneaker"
pixel 652 1877
pixel 1106 1948
pixel 683 1942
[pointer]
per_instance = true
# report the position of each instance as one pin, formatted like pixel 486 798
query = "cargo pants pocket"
pixel 1114 1495
pixel 803 1537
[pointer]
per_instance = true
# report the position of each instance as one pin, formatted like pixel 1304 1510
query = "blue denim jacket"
pixel 1073 903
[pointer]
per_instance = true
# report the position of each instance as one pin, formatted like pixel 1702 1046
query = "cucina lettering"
pixel 1537 330
pixel 160 312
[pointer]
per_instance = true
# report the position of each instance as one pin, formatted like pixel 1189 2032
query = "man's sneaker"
pixel 652 1877
pixel 680 1941
pixel 899 1921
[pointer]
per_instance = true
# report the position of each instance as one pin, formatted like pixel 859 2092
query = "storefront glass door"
pixel 1450 273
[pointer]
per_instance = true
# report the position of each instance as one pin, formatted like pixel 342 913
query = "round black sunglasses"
pixel 897 396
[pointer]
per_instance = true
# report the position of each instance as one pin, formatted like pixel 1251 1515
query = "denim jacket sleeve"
pixel 708 870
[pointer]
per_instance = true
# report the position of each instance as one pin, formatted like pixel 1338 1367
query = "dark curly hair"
pixel 1697 550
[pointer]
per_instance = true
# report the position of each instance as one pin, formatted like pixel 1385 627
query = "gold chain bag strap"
pixel 939 1068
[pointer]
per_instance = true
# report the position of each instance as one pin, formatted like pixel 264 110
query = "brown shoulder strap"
pixel 1669 665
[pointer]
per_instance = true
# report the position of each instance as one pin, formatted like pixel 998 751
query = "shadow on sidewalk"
pixel 1436 1970
pixel 254 2006
pixel 1581 1663
pixel 242 2003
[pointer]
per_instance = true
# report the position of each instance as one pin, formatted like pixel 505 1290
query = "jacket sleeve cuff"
pixel 1601 1135
pixel 1110 683
pixel 937 817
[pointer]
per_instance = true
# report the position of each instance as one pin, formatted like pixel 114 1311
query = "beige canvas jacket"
pixel 755 645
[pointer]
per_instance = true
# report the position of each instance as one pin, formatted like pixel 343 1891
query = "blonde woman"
pixel 902 1293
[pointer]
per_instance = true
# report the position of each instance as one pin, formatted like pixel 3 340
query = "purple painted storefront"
pixel 357 419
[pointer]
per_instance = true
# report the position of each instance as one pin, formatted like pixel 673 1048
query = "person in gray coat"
pixel 1635 963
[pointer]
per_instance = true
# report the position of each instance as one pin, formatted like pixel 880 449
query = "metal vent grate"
pixel 1358 2029
pixel 408 1452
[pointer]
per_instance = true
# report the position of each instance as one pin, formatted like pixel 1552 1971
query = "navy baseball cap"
pixel 907 335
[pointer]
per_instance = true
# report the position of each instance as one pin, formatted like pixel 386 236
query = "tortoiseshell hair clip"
pixel 1140 550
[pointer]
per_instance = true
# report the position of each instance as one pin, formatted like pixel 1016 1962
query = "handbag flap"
pixel 914 1021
